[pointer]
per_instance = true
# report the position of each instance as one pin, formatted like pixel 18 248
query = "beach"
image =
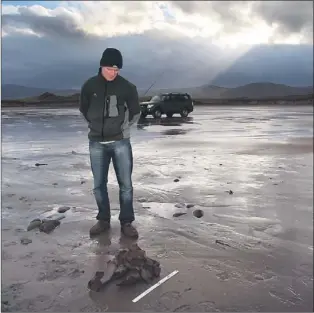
pixel 249 169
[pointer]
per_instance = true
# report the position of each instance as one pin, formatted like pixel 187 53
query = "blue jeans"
pixel 122 158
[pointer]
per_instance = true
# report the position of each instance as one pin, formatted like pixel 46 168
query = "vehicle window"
pixel 180 98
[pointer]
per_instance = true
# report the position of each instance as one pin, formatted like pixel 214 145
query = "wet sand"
pixel 251 251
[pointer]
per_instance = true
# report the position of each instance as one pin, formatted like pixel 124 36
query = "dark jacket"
pixel 109 107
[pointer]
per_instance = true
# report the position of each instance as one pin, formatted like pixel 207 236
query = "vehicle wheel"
pixel 143 114
pixel 184 113
pixel 169 114
pixel 157 113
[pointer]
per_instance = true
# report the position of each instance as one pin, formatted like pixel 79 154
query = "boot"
pixel 129 231
pixel 99 227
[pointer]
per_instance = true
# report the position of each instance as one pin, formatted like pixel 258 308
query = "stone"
pixel 178 214
pixel 138 266
pixel 26 241
pixel 180 205
pixel 131 278
pixel 47 226
pixel 142 200
pixel 96 283
pixel 63 209
pixel 258 277
pixel 131 266
pixel 198 213
pixel 34 224
pixel 220 242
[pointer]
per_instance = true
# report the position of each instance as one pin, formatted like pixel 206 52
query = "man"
pixel 110 105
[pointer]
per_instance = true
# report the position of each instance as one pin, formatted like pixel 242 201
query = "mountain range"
pixel 11 91
pixel 174 63
pixel 253 90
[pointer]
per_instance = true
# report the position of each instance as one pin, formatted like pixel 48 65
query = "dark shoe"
pixel 99 227
pixel 128 230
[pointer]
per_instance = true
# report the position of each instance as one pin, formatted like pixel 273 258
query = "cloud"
pixel 195 41
pixel 280 21
pixel 240 22
pixel 291 16
pixel 42 21
pixel 80 19
pixel 288 18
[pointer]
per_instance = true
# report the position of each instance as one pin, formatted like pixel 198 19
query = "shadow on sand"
pixel 167 122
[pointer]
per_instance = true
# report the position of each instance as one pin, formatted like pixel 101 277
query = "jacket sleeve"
pixel 84 101
pixel 133 105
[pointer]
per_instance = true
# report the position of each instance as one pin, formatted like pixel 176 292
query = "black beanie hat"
pixel 111 57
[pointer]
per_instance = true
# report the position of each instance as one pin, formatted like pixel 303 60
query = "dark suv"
pixel 169 104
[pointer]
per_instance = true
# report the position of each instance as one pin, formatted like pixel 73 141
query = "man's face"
pixel 110 73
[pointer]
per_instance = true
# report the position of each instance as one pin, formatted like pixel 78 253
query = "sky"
pixel 189 43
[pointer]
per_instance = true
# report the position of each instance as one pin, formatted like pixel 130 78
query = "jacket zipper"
pixel 103 113
pixel 107 106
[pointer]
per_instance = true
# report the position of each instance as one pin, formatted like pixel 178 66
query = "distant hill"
pixel 50 100
pixel 260 90
pixel 10 91
pixel 205 91
pixel 252 91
